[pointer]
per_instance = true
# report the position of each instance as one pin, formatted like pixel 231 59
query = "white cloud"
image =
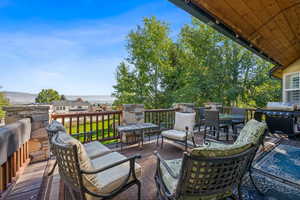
pixel 74 57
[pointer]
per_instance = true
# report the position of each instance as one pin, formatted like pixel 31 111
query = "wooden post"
pixel 9 169
pixel 2 178
pixel 21 155
pixel 14 165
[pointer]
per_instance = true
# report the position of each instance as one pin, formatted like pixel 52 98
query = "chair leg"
pixel 227 133
pixel 162 142
pixel 193 139
pixel 53 168
pixel 234 197
pixel 240 197
pixel 253 183
pixel 139 190
pixel 186 144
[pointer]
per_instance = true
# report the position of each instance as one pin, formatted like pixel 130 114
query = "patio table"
pixel 138 129
pixel 231 117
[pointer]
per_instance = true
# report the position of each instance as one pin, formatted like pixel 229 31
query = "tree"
pixel 147 47
pixel 47 96
pixel 63 97
pixel 3 102
pixel 201 65
pixel 126 89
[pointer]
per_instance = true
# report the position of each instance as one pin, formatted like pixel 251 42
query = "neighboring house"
pixel 66 106
pixel 290 76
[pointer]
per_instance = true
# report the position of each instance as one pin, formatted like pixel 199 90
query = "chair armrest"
pixel 162 161
pixel 130 159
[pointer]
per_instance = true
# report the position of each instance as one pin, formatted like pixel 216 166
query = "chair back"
pixel 240 111
pixel 211 117
pixel 183 120
pixel 202 113
pixel 52 129
pixel 69 169
pixel 202 176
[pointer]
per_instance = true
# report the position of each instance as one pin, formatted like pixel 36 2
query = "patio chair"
pixel 183 129
pixel 94 149
pixel 237 124
pixel 201 118
pixel 213 122
pixel 101 178
pixel 211 171
pixel 253 133
pixel 205 173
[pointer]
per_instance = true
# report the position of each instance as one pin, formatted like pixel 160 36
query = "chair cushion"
pixel 169 181
pixel 184 119
pixel 84 160
pixel 55 126
pixel 95 149
pixel 214 149
pixel 112 178
pixel 176 134
pixel 251 132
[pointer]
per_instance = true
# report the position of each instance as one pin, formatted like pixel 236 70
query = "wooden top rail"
pixel 161 110
pixel 56 116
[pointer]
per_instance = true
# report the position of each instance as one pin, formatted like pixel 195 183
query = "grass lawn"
pixel 107 128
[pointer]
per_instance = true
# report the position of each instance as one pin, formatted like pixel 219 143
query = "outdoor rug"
pixel 276 174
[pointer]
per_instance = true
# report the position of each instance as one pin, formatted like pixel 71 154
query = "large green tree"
pixel 148 47
pixel 201 65
pixel 47 96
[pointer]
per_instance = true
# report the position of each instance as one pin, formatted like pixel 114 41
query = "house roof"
pixel 269 28
pixel 70 103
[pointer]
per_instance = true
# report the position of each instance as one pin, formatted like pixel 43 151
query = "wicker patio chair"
pixel 94 149
pixel 203 174
pixel 183 129
pixel 214 124
pixel 253 133
pixel 84 182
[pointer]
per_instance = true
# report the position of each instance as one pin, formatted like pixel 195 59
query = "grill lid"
pixel 284 106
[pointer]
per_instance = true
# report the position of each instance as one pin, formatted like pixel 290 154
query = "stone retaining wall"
pixel 39 116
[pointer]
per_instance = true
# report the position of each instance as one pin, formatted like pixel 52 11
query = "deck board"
pixel 29 185
pixel 34 184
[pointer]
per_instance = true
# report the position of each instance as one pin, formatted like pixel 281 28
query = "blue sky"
pixel 71 46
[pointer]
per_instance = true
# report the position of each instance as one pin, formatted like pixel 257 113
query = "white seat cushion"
pixel 176 134
pixel 112 178
pixel 96 149
pixel 183 120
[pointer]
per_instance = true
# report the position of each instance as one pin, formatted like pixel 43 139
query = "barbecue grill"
pixel 282 118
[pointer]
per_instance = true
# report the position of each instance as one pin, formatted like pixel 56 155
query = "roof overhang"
pixel 269 28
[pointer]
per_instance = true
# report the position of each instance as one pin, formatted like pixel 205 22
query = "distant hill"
pixel 27 98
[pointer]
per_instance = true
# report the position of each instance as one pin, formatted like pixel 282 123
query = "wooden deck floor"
pixel 35 184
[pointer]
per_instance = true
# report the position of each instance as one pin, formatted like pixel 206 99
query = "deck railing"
pixel 91 126
pixel 101 126
pixel 163 117
pixel 14 151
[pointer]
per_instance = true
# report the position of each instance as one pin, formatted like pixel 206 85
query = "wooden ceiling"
pixel 271 26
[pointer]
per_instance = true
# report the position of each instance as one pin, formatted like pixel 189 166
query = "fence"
pixel 90 126
pixel 14 151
